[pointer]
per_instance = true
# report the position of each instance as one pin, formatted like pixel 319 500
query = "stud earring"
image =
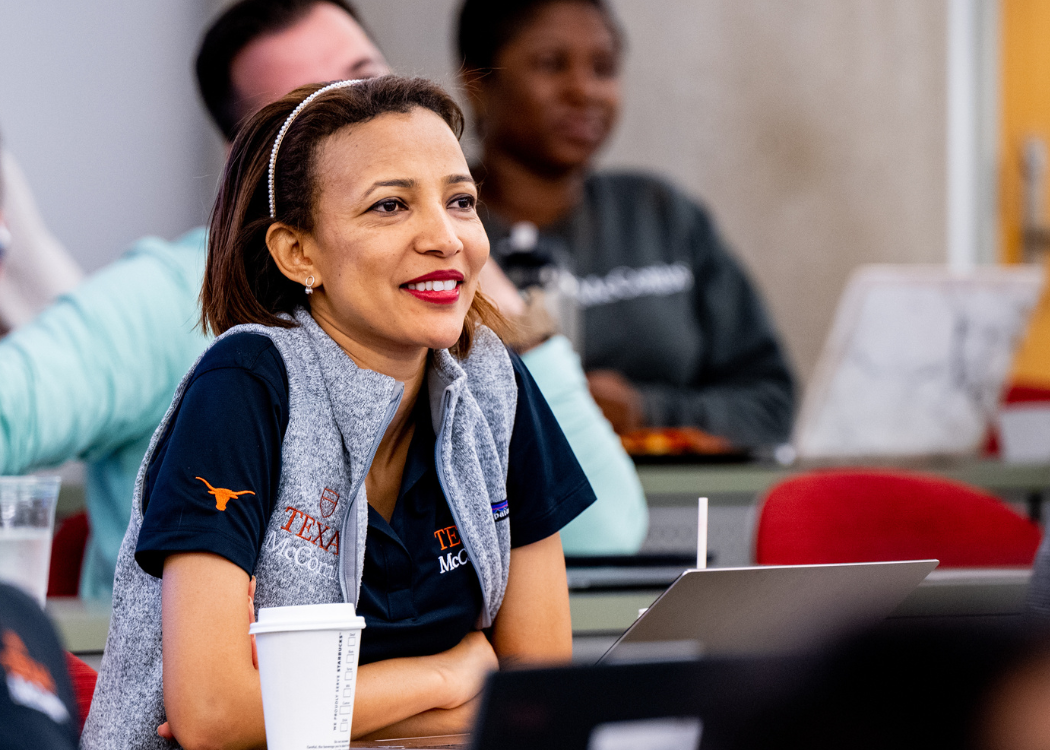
pixel 310 285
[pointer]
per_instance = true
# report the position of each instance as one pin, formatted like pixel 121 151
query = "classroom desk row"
pixel 735 490
pixel 605 601
pixel 742 483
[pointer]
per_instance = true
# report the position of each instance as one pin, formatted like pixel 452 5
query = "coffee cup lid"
pixel 336 616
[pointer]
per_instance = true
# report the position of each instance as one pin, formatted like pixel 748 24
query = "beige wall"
pixel 99 105
pixel 813 129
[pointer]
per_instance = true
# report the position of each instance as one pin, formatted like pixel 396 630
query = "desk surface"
pixel 422 743
pixel 82 625
pixel 746 480
pixel 944 593
pixel 751 479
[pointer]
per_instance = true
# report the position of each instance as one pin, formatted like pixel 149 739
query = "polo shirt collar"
pixel 444 376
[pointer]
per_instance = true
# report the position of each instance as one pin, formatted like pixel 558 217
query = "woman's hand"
pixel 500 290
pixel 620 402
pixel 465 667
pixel 433 723
pixel 530 322
pixel 251 619
pixel 424 694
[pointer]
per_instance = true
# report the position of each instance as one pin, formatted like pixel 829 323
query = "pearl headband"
pixel 284 129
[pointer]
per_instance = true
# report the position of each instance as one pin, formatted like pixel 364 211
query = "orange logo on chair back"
pixel 223 496
pixel 17 662
pixel 29 683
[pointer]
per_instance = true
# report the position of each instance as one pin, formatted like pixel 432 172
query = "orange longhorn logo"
pixel 223 496
pixel 17 662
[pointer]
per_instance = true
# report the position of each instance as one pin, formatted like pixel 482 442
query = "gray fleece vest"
pixel 313 548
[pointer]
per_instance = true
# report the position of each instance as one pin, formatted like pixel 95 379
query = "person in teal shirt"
pixel 93 375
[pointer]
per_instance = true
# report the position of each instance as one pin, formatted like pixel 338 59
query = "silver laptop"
pixel 766 609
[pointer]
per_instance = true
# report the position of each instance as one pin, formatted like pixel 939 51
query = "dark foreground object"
pixel 901 686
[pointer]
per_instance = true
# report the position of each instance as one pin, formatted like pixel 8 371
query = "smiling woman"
pixel 368 200
pixel 357 432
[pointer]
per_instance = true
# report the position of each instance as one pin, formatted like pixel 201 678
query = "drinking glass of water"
pixel 27 516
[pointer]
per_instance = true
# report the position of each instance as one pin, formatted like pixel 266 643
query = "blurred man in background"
pixel 94 374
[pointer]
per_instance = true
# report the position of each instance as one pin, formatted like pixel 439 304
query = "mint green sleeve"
pixel 96 370
pixel 617 522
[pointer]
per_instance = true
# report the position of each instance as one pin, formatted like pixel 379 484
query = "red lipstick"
pixel 444 286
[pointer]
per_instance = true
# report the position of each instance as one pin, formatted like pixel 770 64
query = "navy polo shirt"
pixel 420 594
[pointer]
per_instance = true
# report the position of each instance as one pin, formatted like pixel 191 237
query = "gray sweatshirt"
pixel 665 304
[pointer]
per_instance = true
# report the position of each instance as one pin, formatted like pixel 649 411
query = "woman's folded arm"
pixel 422 695
pixel 212 694
pixel 533 625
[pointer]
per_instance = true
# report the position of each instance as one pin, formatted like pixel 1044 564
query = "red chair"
pixel 67 556
pixel 867 516
pixel 83 678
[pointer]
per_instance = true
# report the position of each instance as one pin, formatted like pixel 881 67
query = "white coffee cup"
pixel 308 670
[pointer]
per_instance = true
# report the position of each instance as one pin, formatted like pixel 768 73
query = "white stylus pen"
pixel 701 534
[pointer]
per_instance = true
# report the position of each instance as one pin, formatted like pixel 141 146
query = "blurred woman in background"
pixel 673 332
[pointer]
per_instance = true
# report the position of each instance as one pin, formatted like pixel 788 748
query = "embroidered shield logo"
pixel 329 499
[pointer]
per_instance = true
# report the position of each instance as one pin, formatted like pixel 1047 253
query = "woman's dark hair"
pixel 240 25
pixel 242 283
pixel 486 26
